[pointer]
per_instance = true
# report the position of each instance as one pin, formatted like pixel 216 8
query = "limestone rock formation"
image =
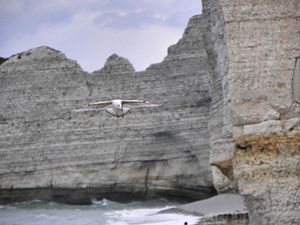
pixel 116 64
pixel 254 49
pixel 221 182
pixel 49 151
pixel 225 209
pixel 229 95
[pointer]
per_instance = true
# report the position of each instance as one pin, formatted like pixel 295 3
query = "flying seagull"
pixel 117 107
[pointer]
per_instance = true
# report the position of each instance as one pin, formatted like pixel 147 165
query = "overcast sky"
pixel 89 31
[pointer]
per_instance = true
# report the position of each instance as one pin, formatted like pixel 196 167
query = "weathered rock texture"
pixel 267 171
pixel 220 126
pixel 296 82
pixel 229 85
pixel 47 149
pixel 223 209
pixel 255 45
pixel 226 219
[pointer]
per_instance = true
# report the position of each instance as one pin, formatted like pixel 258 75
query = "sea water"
pixel 102 212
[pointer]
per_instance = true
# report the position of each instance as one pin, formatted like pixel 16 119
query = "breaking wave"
pixel 100 212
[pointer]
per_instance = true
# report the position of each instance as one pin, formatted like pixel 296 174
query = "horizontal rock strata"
pixel 45 144
pixel 229 95
pixel 256 47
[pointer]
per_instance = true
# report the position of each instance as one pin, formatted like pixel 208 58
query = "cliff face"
pixel 229 91
pixel 256 52
pixel 220 126
pixel 45 145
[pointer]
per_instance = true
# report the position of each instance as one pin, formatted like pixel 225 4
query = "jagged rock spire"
pixel 116 64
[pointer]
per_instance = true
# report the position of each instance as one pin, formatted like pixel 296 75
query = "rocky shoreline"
pixel 221 209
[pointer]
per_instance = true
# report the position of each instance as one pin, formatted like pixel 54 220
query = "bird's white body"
pixel 116 107
pixel 116 103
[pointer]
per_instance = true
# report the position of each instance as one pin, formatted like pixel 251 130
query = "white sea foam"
pixel 148 217
pixel 46 217
pixel 103 202
pixel 104 212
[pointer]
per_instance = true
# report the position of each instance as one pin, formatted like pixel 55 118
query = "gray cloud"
pixel 127 20
pixel 90 30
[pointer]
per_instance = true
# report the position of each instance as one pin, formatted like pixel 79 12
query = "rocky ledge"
pixel 222 209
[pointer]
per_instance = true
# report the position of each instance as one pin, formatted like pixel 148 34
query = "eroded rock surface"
pixel 229 97
pixel 267 171
pixel 257 43
pixel 160 151
pixel 224 209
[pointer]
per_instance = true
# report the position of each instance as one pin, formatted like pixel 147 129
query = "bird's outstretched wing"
pixel 94 106
pixel 101 104
pixel 138 104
